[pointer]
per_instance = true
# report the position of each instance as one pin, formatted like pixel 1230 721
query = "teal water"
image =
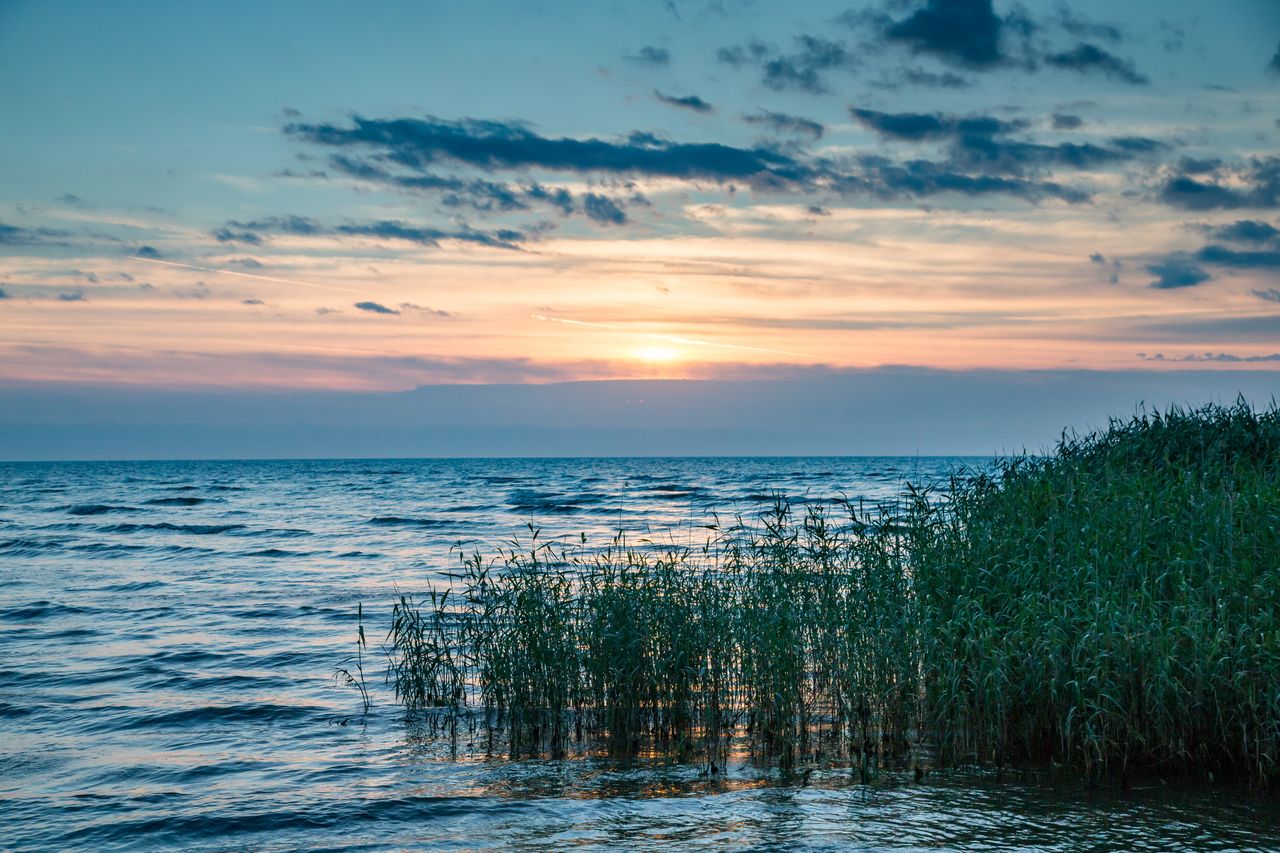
pixel 168 633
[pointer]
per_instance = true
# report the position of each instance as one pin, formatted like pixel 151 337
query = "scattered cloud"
pixel 686 102
pixel 72 297
pixel 1086 57
pixel 1222 256
pixel 801 70
pixel 421 309
pixel 1274 65
pixel 150 252
pixel 375 308
pixel 650 55
pixel 783 123
pixel 966 32
pixel 604 210
pixel 1245 231
pixel 1210 185
pixel 256 231
pixel 1271 294
pixel 17 235
pixel 1065 121
pixel 1229 357
pixel 1173 273
pixel 252 302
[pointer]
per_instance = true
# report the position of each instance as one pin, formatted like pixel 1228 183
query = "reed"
pixel 1113 606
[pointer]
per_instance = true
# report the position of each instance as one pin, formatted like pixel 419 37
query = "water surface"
pixel 168 633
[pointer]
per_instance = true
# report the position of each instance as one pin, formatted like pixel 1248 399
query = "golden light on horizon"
pixel 656 354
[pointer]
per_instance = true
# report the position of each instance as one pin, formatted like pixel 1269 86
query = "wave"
pixel 197 529
pixel 175 501
pixel 96 509
pixel 419 523
pixel 277 552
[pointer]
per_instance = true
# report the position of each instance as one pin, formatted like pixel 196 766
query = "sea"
pixel 169 633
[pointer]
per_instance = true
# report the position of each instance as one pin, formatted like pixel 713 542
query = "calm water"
pixel 168 632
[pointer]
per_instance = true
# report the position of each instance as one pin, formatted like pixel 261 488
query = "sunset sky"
pixel 381 196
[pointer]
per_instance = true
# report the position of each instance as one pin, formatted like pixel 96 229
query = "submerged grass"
pixel 1113 606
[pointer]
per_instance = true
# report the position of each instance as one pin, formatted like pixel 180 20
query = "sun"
pixel 656 355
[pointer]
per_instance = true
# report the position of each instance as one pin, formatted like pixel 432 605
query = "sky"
pixel 338 197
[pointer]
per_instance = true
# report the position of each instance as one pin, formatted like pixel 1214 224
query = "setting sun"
pixel 656 355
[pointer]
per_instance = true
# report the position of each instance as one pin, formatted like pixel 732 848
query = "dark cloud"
pixel 420 144
pixel 228 235
pixel 1097 258
pixel 496 145
pixel 1174 273
pixel 783 123
pixel 978 142
pixel 1222 256
pixel 1229 357
pixel 925 178
pixel 1274 65
pixel 1064 121
pixel 801 70
pixel 1084 28
pixel 252 302
pixel 1271 294
pixel 1254 184
pixel 603 209
pixel 931 79
pixel 375 308
pixel 72 297
pixel 4 294
pixel 1245 231
pixel 687 102
pixel 650 55
pixel 148 252
pixel 257 230
pixel 70 199
pixel 1086 57
pixel 919 126
pixel 17 235
pixel 967 32
pixel 245 263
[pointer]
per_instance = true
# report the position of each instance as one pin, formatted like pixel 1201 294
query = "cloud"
pixel 1222 256
pixel 1084 28
pixel 802 70
pixel 72 297
pixel 1086 57
pixel 4 294
pixel 783 123
pixel 435 312
pixel 1245 231
pixel 245 263
pixel 1229 357
pixel 966 32
pixel 323 311
pixel 924 178
pixel 255 231
pixel 650 55
pixel 1097 258
pixel 919 126
pixel 252 302
pixel 17 235
pixel 688 102
pixel 1174 273
pixel 70 199
pixel 1253 184
pixel 498 145
pixel 1271 294
pixel 1274 65
pixel 148 252
pixel 1064 121
pixel 375 308
pixel 978 143
pixel 604 210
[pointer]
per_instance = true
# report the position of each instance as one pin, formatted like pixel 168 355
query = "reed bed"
pixel 1113 606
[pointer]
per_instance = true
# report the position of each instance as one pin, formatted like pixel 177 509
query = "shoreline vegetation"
pixel 1111 607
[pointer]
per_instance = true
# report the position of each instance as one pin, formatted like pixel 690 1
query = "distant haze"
pixel 885 411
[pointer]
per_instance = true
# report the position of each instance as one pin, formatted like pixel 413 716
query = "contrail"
pixel 247 275
pixel 674 339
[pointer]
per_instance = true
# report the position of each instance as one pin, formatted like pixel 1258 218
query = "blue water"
pixel 168 634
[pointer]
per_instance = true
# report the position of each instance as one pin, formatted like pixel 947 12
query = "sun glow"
pixel 656 355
